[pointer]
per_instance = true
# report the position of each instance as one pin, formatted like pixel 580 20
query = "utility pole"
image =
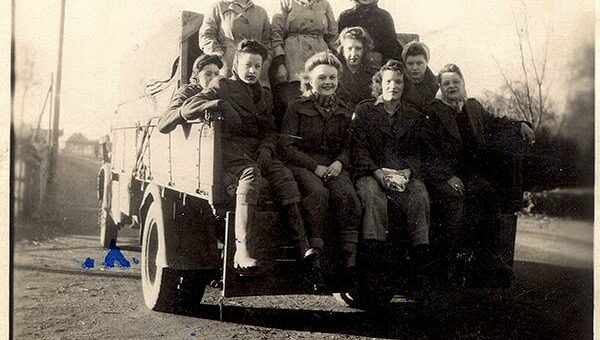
pixel 52 164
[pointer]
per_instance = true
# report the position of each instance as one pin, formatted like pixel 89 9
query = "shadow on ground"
pixel 545 302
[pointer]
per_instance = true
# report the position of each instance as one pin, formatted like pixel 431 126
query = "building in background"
pixel 81 145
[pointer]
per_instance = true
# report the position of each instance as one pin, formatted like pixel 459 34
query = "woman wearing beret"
pixel 317 150
pixel 205 68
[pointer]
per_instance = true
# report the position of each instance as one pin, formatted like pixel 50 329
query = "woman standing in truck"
pixel 300 29
pixel 316 147
pixel 354 48
pixel 227 23
pixel 379 24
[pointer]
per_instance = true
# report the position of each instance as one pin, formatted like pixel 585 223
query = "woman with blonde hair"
pixel 317 151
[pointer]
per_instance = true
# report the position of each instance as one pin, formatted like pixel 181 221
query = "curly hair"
pixel 391 65
pixel 359 34
pixel 320 58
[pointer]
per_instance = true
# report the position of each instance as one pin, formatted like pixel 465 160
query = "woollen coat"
pixel 229 22
pixel 300 29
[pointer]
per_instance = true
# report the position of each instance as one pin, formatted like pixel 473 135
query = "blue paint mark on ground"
pixel 135 260
pixel 88 263
pixel 114 255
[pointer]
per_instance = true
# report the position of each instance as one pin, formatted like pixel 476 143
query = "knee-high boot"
pixel 244 218
pixel 296 224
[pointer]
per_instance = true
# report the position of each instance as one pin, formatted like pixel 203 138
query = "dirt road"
pixel 56 298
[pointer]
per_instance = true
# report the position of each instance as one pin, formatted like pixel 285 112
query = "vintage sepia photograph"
pixel 302 169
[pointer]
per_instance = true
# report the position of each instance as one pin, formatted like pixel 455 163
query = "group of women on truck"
pixel 344 125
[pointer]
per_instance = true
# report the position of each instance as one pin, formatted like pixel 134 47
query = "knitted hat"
pixel 204 60
pixel 415 48
pixel 254 47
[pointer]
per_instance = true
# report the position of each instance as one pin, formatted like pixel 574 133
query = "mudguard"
pixel 187 241
pixel 103 186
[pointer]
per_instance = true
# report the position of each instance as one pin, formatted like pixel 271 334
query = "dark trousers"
pixel 250 178
pixel 319 197
pixel 469 220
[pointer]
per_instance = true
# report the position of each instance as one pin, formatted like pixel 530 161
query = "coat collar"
pixel 446 114
pixel 396 126
pixel 240 92
pixel 335 108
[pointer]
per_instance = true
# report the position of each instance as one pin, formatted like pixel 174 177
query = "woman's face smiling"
pixel 324 79
pixel 451 85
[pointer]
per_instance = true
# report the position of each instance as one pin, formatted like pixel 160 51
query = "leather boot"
pixel 296 225
pixel 244 218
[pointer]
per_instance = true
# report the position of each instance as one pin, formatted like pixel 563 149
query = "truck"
pixel 170 188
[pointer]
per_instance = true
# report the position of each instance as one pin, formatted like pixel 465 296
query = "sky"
pixel 106 40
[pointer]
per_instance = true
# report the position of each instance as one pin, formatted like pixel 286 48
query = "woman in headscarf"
pixel 316 147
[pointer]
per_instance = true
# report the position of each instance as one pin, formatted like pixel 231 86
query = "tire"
pixel 108 228
pixel 166 289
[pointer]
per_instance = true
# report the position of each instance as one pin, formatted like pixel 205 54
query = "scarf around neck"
pixel 324 102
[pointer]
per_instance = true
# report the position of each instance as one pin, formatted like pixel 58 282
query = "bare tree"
pixel 529 94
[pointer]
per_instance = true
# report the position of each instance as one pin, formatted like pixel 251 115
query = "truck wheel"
pixel 108 228
pixel 166 289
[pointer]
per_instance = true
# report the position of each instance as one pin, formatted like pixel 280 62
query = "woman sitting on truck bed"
pixel 316 145
pixel 249 144
pixel 205 68
pixel 457 137
pixel 227 23
pixel 387 160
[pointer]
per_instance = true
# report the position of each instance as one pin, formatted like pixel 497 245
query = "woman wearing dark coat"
pixel 249 149
pixel 387 161
pixel 317 150
pixel 457 136
pixel 380 26
pixel 354 47
pixel 205 69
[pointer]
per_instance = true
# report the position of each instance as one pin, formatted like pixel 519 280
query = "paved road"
pixel 55 298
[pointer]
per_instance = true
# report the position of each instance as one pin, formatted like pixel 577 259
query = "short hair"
pixel 356 33
pixel 390 65
pixel 415 48
pixel 449 68
pixel 320 58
